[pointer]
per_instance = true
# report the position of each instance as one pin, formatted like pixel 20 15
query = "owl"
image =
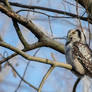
pixel 78 54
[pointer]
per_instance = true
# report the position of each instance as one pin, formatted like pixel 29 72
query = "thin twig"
pixel 69 3
pixel 22 39
pixel 76 83
pixel 48 9
pixel 21 77
pixel 24 42
pixel 50 26
pixel 54 38
pixel 32 46
pixel 79 19
pixel 53 57
pixel 7 4
pixel 78 15
pixel 25 71
pixel 47 74
pixel 21 10
pixel 45 77
pixel 6 54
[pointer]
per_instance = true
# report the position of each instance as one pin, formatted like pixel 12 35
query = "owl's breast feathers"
pixel 84 55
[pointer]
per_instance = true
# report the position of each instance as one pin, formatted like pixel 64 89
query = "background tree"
pixel 32 48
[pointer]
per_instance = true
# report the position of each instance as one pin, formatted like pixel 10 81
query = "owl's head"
pixel 76 35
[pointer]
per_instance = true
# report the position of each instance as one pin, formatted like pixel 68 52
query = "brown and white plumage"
pixel 78 53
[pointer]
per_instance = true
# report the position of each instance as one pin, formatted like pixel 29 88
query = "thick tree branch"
pixel 50 10
pixel 37 59
pixel 32 46
pixel 47 41
pixel 24 21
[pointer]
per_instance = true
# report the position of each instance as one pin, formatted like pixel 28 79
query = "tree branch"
pixel 22 39
pixel 17 27
pixel 32 46
pixel 25 71
pixel 45 77
pixel 87 4
pixel 50 10
pixel 21 77
pixel 47 41
pixel 76 83
pixel 37 59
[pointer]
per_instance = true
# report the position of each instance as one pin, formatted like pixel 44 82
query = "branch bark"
pixel 37 59
pixel 87 4
pixel 47 41
pixel 45 77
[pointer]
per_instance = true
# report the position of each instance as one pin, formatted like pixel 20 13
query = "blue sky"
pixel 60 80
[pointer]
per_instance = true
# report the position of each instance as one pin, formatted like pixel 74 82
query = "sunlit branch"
pixel 24 21
pixel 26 70
pixel 32 46
pixel 7 4
pixel 47 41
pixel 37 59
pixel 45 77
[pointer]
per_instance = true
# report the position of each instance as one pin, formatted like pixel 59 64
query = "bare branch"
pixel 76 83
pixel 45 77
pixel 7 4
pixel 21 10
pixel 22 39
pixel 50 26
pixel 17 27
pixel 41 60
pixel 32 46
pixel 47 41
pixel 21 77
pixel 50 10
pixel 87 4
pixel 25 71
pixel 24 21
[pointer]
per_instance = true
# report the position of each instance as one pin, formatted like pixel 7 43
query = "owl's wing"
pixel 83 53
pixel 68 54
